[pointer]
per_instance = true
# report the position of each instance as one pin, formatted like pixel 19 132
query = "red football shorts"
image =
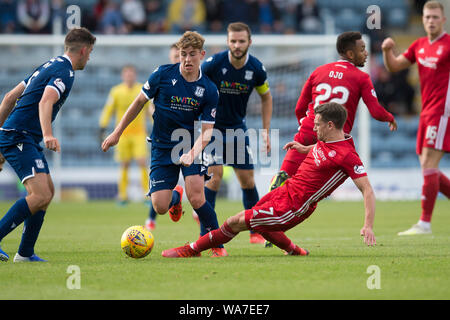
pixel 275 212
pixel 293 159
pixel 433 132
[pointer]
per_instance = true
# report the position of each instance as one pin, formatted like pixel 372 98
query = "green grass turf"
pixel 88 235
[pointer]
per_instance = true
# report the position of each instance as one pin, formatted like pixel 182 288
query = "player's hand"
pixel 369 236
pixel 186 159
pixel 110 141
pixel 393 125
pixel 51 143
pixel 2 161
pixel 297 146
pixel 266 139
pixel 387 44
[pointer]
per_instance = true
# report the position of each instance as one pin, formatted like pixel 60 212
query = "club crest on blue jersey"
pixel 199 91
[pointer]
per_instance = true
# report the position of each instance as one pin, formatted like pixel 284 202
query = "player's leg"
pixel 143 171
pixel 30 165
pixel 140 154
pixel 165 193
pixel 429 160
pixel 250 196
pixel 33 224
pixel 205 212
pixel 123 183
pixel 123 156
pixel 429 133
pixel 212 186
pixel 213 239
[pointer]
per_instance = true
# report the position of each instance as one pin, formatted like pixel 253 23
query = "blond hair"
pixel 433 5
pixel 191 39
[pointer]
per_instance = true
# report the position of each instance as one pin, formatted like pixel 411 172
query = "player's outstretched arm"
pixel 365 187
pixel 298 146
pixel 392 62
pixel 9 102
pixel 131 113
pixel 49 98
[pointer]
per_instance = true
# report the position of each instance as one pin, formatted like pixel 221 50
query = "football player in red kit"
pixel 432 54
pixel 327 165
pixel 341 82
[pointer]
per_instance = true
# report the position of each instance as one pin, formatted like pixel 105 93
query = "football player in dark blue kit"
pixel 26 116
pixel 236 73
pixel 183 96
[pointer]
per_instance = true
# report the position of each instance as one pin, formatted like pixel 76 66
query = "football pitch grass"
pixel 87 235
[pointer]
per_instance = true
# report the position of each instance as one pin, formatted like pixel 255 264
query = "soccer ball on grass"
pixel 137 242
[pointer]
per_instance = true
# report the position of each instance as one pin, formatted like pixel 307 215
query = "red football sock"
pixel 290 167
pixel 214 238
pixel 430 190
pixel 444 184
pixel 279 239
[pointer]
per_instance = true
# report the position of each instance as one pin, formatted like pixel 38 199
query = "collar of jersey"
pixel 199 75
pixel 246 58
pixel 343 60
pixel 346 137
pixel 442 34
pixel 67 57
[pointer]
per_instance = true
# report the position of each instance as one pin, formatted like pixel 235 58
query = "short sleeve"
pixel 61 82
pixel 208 66
pixel 410 53
pixel 261 82
pixel 353 166
pixel 150 87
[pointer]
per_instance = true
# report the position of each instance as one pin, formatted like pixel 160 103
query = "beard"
pixel 244 53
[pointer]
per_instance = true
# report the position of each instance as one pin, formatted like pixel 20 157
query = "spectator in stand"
pixel 156 16
pixel 111 21
pixel 8 22
pixel 34 15
pixel 214 15
pixel 240 10
pixel 185 15
pixel 269 17
pixel 288 9
pixel 133 12
pixel 99 8
pixel 308 17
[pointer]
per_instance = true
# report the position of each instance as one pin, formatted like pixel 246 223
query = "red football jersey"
pixel 340 82
pixel 433 61
pixel 325 168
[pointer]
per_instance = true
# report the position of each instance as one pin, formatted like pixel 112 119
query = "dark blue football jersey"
pixel 56 73
pixel 235 87
pixel 178 103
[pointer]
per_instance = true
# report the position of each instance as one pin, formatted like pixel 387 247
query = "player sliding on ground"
pixel 327 165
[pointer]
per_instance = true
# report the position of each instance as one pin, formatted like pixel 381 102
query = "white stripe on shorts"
pixel 442 129
pixel 283 219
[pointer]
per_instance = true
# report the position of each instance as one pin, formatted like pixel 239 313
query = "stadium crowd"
pixel 165 16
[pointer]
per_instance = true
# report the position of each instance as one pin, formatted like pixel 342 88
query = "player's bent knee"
pixel 197 201
pixel 160 209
